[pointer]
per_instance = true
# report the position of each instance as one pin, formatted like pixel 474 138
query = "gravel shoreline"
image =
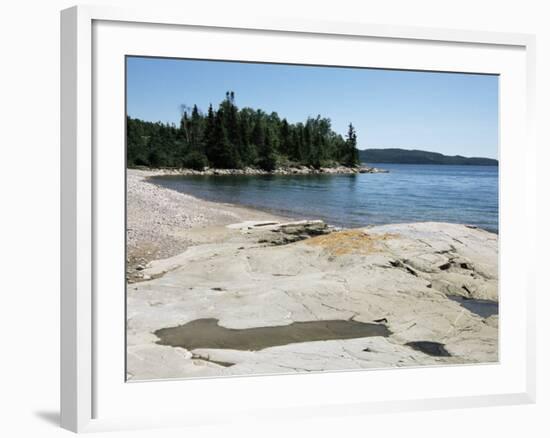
pixel 159 220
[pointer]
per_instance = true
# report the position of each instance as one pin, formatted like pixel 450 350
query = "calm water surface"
pixel 408 193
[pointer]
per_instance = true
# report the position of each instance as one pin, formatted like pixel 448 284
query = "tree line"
pixel 233 138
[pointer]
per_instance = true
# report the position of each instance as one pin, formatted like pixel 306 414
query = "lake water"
pixel 408 193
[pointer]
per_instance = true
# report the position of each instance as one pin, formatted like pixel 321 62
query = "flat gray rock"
pixel 410 278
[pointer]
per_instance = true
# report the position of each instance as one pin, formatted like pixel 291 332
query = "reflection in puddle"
pixel 483 308
pixel 206 333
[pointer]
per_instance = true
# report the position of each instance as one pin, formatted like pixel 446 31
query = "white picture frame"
pixel 89 399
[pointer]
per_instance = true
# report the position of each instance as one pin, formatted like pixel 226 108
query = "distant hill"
pixel 405 156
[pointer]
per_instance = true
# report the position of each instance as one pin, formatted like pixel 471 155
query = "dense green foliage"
pixel 404 156
pixel 232 138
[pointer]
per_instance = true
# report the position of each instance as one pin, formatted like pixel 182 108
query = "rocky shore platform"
pixel 284 170
pixel 272 295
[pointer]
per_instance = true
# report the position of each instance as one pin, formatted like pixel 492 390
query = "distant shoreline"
pixel 415 156
pixel 434 164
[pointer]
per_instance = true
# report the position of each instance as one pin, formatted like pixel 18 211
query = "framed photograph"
pixel 284 218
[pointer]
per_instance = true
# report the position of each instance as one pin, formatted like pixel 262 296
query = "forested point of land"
pixel 233 138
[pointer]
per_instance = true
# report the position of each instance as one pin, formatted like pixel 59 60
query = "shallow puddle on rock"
pixel 483 308
pixel 206 333
pixel 430 348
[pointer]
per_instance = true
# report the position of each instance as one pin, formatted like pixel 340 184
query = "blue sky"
pixel 449 113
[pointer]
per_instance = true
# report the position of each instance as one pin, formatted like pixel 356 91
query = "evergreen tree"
pixel 247 150
pixel 184 125
pixel 222 152
pixel 196 130
pixel 296 146
pixel 258 134
pixel 286 141
pixel 233 128
pixel 306 141
pixel 267 159
pixel 208 136
pixel 157 155
pixel 351 155
pixel 136 144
